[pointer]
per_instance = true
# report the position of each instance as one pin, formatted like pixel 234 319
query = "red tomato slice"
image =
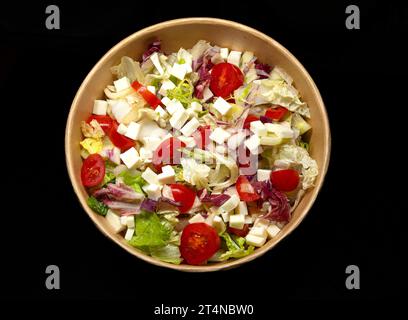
pixel 119 140
pixel 276 113
pixel 225 78
pixel 168 152
pixel 150 98
pixel 199 242
pixel 238 232
pixel 93 170
pixel 285 180
pixel 184 195
pixel 202 136
pixel 248 120
pixel 245 190
pixel 105 122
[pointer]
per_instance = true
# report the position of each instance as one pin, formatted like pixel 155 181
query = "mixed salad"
pixel 197 156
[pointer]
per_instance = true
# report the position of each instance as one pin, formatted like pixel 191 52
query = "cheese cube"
pixel 207 94
pixel 121 84
pixel 178 70
pixel 242 208
pixel 151 143
pixel 129 221
pixel 114 221
pixel 234 57
pixel 173 106
pixel 156 62
pixel 263 175
pixel 272 231
pixel 235 141
pixel 152 89
pixel 162 113
pixel 120 109
pixel 271 141
pixel 195 106
pixel 123 220
pixel 167 176
pixel 166 101
pixel 219 135
pixel 153 191
pixel 218 224
pixel 197 218
pixel 253 144
pixel 237 221
pixel 133 131
pixel 258 231
pixel 130 158
pixel 222 106
pixel 190 127
pixel 255 241
pixel 100 107
pixel 178 119
pixel 230 204
pixel 166 85
pixel 122 129
pixel 189 141
pixel 150 176
pixel 258 128
pixel 279 129
pixel 224 53
pixel 129 234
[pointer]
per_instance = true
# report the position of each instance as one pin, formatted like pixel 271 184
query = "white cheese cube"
pixel 123 220
pixel 263 175
pixel 166 101
pixel 279 129
pixel 207 94
pixel 219 135
pixel 153 191
pixel 222 106
pixel 122 129
pixel 258 231
pixel 195 106
pixel 178 119
pixel 271 141
pixel 167 176
pixel 130 157
pixel 230 204
pixel 121 84
pixel 234 57
pixel 162 113
pixel 173 106
pixel 235 141
pixel 133 130
pixel 156 62
pixel 178 70
pixel 120 109
pixel 166 85
pixel 258 128
pixel 237 221
pixel 253 144
pixel 114 221
pixel 255 240
pixel 242 208
pixel 197 218
pixel 100 107
pixel 129 221
pixel 150 176
pixel 272 231
pixel 218 224
pixel 151 143
pixel 225 216
pixel 152 89
pixel 129 234
pixel 224 53
pixel 189 141
pixel 190 127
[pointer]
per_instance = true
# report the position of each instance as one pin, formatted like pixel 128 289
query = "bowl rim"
pixel 177 22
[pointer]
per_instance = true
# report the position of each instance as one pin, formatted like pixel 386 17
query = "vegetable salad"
pixel 197 156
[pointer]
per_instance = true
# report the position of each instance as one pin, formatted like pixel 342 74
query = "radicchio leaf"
pixel 149 205
pixel 155 46
pixel 263 70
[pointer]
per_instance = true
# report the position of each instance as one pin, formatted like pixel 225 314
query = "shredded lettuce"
pixel 130 69
pixel 236 247
pixel 97 206
pixel 183 92
pixel 195 173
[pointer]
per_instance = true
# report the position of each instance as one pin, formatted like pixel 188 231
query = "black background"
pixel 355 220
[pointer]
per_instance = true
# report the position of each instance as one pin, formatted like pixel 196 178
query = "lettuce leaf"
pixel 97 206
pixel 236 247
pixel 169 253
pixel 135 181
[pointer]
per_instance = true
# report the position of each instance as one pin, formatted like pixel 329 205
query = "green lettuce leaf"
pixel 169 253
pixel 236 247
pixel 97 206
pixel 135 181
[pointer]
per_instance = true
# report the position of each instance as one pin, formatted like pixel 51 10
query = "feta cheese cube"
pixel 150 176
pixel 166 85
pixel 242 208
pixel 152 89
pixel 173 106
pixel 178 70
pixel 219 135
pixel 122 129
pixel 197 218
pixel 129 234
pixel 207 94
pixel 222 106
pixel 133 130
pixel 121 84
pixel 230 204
pixel 225 216
pixel 195 106
pixel 120 109
pixel 114 221
pixel 130 157
pixel 253 144
pixel 258 231
pixel 166 101
pixel 255 241
pixel 218 224
pixel 162 113
pixel 128 221
pixel 189 141
pixel 190 127
pixel 279 129
pixel 235 141
pixel 237 221
pixel 156 62
pixel 167 176
pixel 272 230
pixel 224 53
pixel 234 57
pixel 271 140
pixel 178 119
pixel 100 107
pixel 258 128
pixel 153 191
pixel 263 175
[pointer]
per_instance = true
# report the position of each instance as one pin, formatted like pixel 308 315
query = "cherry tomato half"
pixel 202 136
pixel 245 190
pixel 199 242
pixel 105 122
pixel 119 140
pixel 225 78
pixel 276 113
pixel 285 180
pixel 93 170
pixel 248 120
pixel 240 233
pixel 168 152
pixel 184 195
pixel 150 98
